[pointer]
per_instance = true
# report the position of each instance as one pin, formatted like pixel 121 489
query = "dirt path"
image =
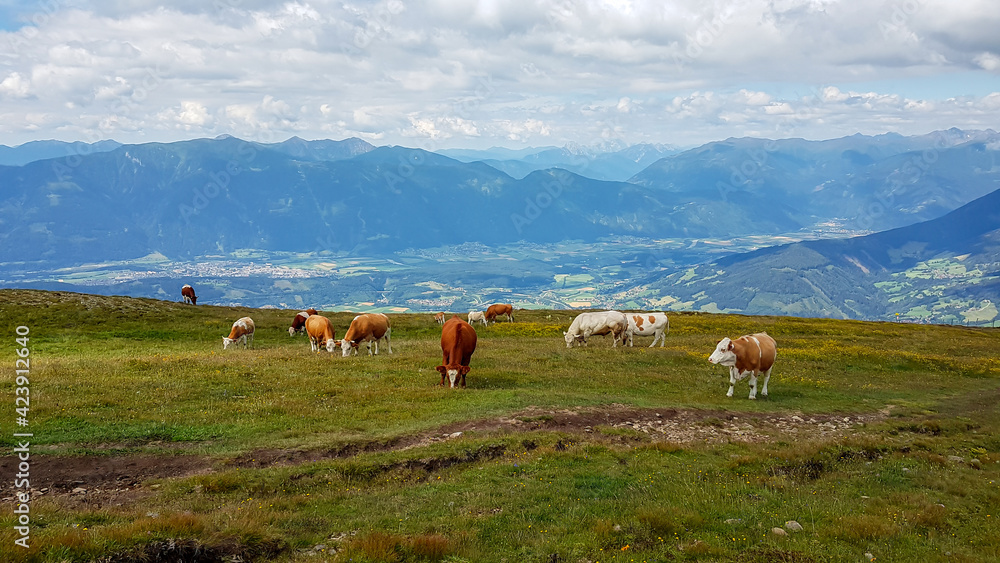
pixel 116 480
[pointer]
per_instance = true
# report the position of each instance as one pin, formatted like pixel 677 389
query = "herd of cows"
pixel 748 356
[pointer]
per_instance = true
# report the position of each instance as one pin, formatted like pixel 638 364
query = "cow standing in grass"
pixel 648 324
pixel 439 318
pixel 499 310
pixel 321 333
pixel 187 293
pixel 368 328
pixel 477 316
pixel 752 355
pixel 458 342
pixel 589 324
pixel 299 322
pixel 242 331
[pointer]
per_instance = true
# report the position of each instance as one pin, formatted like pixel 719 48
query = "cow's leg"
pixel 753 384
pixel 388 344
pixel 767 375
pixel 313 344
pixel 369 345
pixel 732 381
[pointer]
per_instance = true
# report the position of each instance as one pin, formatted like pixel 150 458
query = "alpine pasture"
pixel 878 441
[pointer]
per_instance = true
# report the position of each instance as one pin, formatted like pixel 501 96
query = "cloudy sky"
pixel 514 73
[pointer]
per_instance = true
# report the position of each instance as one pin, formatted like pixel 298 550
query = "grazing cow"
pixel 498 310
pixel 187 292
pixel 477 316
pixel 604 322
pixel 648 324
pixel 321 333
pixel 368 328
pixel 458 342
pixel 439 318
pixel 299 322
pixel 751 355
pixel 242 331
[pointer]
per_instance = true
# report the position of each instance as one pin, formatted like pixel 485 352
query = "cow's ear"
pixel 463 370
pixel 730 345
pixel 442 369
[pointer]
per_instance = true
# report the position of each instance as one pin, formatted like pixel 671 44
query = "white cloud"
pixel 498 72
pixel 14 86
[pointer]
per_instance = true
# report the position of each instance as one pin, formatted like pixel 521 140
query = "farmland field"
pixel 151 443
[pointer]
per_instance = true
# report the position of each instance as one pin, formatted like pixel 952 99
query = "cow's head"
pixel 331 344
pixel 456 374
pixel 194 299
pixel 291 331
pixel 571 338
pixel 347 345
pixel 723 353
pixel 226 341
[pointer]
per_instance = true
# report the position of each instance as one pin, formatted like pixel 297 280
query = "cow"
pixel 299 322
pixel 497 310
pixel 439 318
pixel 242 331
pixel 648 324
pixel 458 342
pixel 368 328
pixel 187 292
pixel 477 316
pixel 752 355
pixel 604 322
pixel 321 333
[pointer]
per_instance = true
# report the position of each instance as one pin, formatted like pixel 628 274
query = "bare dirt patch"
pixel 110 480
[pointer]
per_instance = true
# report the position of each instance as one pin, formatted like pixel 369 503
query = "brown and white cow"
pixel 603 322
pixel 187 292
pixel 499 310
pixel 321 333
pixel 458 342
pixel 242 331
pixel 648 324
pixel 368 328
pixel 439 318
pixel 299 322
pixel 753 355
pixel 477 316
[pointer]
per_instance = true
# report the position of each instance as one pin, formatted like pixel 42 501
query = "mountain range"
pixel 214 197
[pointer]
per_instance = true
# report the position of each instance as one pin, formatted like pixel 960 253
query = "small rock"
pixel 617 528
pixel 956 458
pixel 865 497
pixel 79 491
pixel 869 556
pixel 455 435
pixel 319 547
pixel 779 532
pixel 793 526
pixel 734 520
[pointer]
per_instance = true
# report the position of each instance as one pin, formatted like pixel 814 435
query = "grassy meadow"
pixel 313 457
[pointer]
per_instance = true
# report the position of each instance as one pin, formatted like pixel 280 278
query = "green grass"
pixel 130 376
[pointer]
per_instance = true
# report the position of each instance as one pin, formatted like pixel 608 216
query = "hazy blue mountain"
pixel 943 270
pixel 323 149
pixel 43 150
pixel 212 196
pixel 859 182
pixel 614 163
